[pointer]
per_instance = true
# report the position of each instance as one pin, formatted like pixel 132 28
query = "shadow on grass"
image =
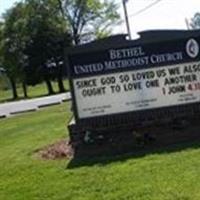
pixel 29 97
pixel 138 153
pixel 22 98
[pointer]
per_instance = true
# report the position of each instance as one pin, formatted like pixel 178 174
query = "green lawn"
pixel 33 91
pixel 165 175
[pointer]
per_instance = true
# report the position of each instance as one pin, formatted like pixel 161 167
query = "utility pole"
pixel 126 18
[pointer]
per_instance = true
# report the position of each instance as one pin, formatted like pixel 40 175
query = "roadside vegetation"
pixel 171 173
pixel 35 37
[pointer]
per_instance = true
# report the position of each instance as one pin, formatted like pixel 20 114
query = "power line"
pixel 145 8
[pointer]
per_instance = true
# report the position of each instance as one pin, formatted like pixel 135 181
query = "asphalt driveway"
pixel 12 108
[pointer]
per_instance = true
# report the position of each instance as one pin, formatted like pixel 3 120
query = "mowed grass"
pixel 33 91
pixel 168 174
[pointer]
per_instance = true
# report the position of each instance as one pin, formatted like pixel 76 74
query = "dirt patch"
pixel 59 150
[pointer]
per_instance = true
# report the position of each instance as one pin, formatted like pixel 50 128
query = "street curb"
pixel 24 111
pixel 49 104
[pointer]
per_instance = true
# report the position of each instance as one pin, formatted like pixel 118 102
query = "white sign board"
pixel 137 90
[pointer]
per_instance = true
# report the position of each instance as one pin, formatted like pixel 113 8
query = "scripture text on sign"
pixel 138 90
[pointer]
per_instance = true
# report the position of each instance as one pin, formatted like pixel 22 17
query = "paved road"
pixel 12 108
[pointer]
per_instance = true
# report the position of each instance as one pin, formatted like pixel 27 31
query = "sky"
pixel 163 14
pixel 6 4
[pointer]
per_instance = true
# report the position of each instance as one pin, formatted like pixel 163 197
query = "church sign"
pixel 134 78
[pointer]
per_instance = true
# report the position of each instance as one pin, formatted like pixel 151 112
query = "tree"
pixel 195 21
pixel 47 40
pixel 33 43
pixel 46 51
pixel 89 19
pixel 1 43
pixel 12 47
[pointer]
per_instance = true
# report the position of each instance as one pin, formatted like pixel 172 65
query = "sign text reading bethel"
pixel 126 58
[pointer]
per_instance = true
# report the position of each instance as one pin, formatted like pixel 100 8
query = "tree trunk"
pixel 14 88
pixel 59 79
pixel 61 85
pixel 76 40
pixel 76 37
pixel 24 89
pixel 49 86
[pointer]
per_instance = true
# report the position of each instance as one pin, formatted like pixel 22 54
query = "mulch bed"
pixel 59 150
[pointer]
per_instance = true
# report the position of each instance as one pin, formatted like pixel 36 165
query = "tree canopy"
pixel 12 45
pixel 48 33
pixel 89 19
pixel 34 34
pixel 33 37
